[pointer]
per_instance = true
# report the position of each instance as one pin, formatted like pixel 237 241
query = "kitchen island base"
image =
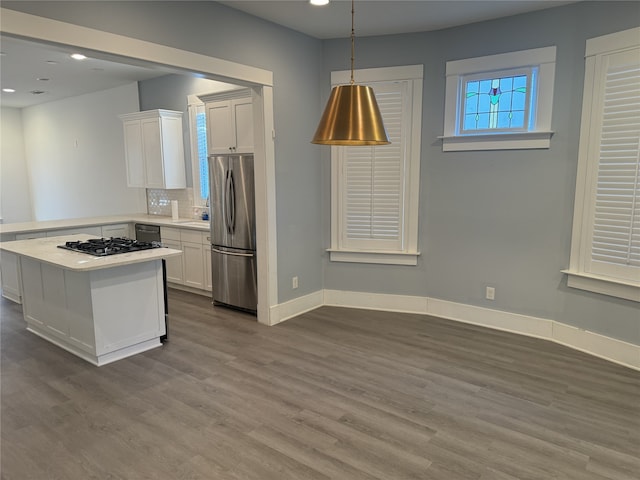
pixel 99 315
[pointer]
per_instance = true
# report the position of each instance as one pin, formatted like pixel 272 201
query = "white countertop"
pixel 46 250
pixel 160 220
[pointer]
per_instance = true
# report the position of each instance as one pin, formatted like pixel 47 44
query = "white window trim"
pixel 539 134
pixel 578 276
pixel 409 256
pixel 193 102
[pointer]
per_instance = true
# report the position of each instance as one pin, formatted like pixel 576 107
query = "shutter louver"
pixel 374 181
pixel 616 227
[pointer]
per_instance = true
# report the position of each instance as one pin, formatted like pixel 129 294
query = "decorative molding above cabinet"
pixel 154 149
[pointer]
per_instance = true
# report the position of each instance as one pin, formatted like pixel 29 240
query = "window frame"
pixel 408 254
pixel 537 135
pixel 193 105
pixel 579 274
pixel 528 112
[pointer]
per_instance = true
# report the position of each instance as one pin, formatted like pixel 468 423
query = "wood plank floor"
pixel 333 394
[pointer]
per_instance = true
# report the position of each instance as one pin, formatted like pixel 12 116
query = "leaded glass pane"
pixel 201 128
pixel 495 103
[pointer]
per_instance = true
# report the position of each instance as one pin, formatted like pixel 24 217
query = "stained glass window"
pixel 201 126
pixel 498 103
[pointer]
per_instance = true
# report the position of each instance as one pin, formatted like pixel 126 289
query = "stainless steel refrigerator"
pixel 233 231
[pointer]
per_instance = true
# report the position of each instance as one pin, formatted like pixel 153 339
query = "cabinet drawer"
pixel 30 235
pixel 206 238
pixel 96 231
pixel 167 233
pixel 191 236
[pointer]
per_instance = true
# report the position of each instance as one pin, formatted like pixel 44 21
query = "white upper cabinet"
pixel 230 126
pixel 154 149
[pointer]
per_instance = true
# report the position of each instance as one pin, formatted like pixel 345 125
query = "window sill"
pixel 603 285
pixel 496 141
pixel 381 257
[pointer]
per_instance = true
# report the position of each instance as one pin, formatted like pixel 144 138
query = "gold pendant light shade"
pixel 351 117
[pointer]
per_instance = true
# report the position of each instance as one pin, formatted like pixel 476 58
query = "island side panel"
pixel 56 306
pixel 34 307
pixel 10 276
pixel 128 306
pixel 80 310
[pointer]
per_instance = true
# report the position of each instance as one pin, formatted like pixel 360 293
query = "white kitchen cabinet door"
pixel 154 149
pixel 134 153
pixel 174 264
pixel 220 133
pixel 208 280
pixel 230 126
pixel 10 267
pixel 193 265
pixel 243 122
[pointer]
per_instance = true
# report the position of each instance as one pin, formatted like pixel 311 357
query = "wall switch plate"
pixel 490 293
pixel 294 282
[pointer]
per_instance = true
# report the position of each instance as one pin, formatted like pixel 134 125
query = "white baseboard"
pixel 496 319
pixel 376 301
pixel 293 308
pixel 607 348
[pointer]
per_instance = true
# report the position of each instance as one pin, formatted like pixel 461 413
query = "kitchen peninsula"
pixel 100 308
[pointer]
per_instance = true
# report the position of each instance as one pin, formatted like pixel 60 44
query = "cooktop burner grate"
pixel 102 247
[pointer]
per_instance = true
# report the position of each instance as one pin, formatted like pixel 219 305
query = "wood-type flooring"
pixel 335 393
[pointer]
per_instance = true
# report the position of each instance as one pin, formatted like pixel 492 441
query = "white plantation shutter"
pixel 615 235
pixel 375 191
pixel 373 180
pixel 605 243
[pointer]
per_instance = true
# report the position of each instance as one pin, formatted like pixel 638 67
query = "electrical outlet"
pixel 490 293
pixel 294 282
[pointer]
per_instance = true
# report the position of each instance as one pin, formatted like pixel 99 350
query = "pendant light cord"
pixel 353 34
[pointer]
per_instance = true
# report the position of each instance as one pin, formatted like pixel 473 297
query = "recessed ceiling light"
pixel 43 79
pixel 8 90
pixel 37 92
pixel 318 3
pixel 78 56
pixel 52 62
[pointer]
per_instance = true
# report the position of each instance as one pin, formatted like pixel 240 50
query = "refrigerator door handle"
pixel 232 203
pixel 235 254
pixel 227 220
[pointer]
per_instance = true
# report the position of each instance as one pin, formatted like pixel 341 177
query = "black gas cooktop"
pixel 102 247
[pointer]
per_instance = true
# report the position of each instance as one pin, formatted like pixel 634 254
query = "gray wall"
pixel 295 60
pixel 499 218
pixel 65 158
pixel 15 193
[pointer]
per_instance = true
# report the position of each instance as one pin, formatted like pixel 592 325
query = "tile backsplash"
pixel 159 202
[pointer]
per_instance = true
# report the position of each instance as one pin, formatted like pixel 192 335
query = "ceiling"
pixel 42 74
pixel 384 17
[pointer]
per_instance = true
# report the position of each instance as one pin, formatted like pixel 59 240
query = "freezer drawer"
pixel 234 278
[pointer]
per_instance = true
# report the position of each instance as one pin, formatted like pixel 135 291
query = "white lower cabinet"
pixel 10 267
pixel 99 315
pixel 193 269
pixel 208 281
pixel 175 273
